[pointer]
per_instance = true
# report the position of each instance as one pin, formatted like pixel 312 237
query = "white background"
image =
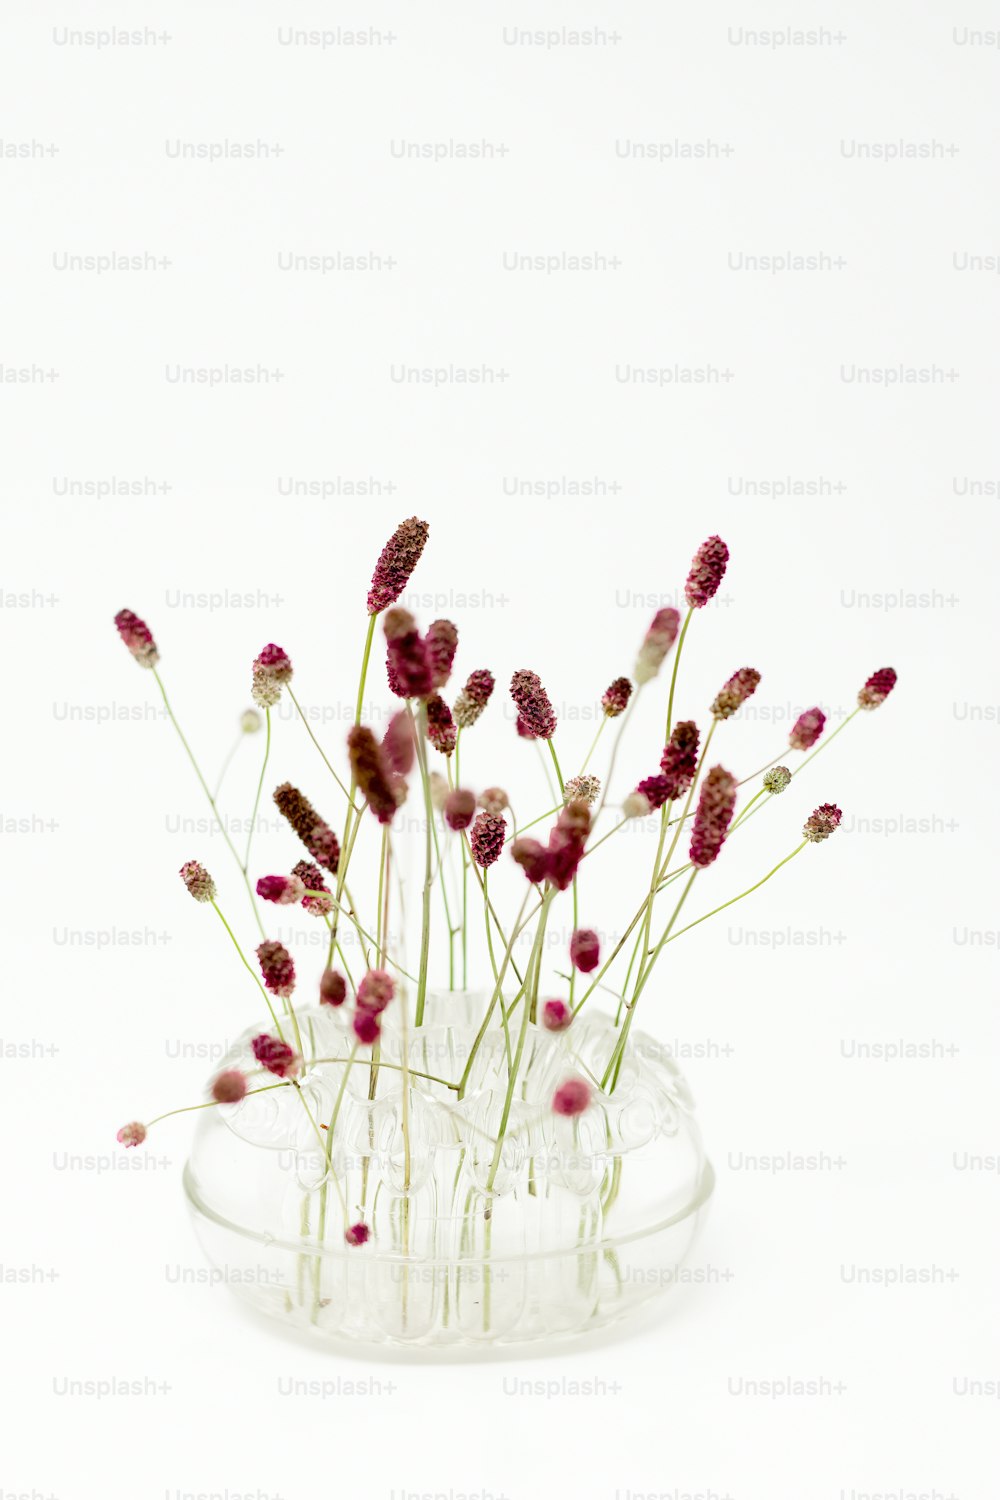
pixel 885 934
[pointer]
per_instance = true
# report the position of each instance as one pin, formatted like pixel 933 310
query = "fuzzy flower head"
pixel 439 791
pixel 317 835
pixel 137 637
pixel 556 1015
pixel 407 661
pixel 877 689
pixel 311 877
pixel 251 721
pixel 657 642
pixel 494 800
pixel 132 1134
pixel 807 729
pixel 585 950
pixel 566 844
pixel 820 824
pixel 582 789
pixel 679 760
pixel 229 1087
pixel 283 890
pixel 198 881
pixel 533 704
pixel 396 563
pixel 366 1027
pixel 459 809
pixel 524 729
pixel 375 991
pixel 398 746
pixel 442 643
pixel 275 1055
pixel 571 1098
pixel 277 969
pixel 636 805
pixel 734 693
pixel 713 817
pixel 332 988
pixel 271 670
pixel 776 780
pixel 473 698
pixel 708 569
pixel 441 730
pixel 487 839
pixel 371 773
pixel 615 699
pixel 533 858
pixel 654 790
pixel 357 1234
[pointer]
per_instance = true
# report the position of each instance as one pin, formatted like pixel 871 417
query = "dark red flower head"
pixel 585 950
pixel 357 1234
pixel 533 704
pixel 572 1097
pixel 741 686
pixel 679 760
pixel 877 689
pixel 807 729
pixel 317 835
pixel 271 670
pixel 311 877
pixel 657 642
pixel 277 969
pixel 654 789
pixel 407 661
pixel 283 890
pixel 566 844
pixel 370 772
pixel 524 729
pixel 473 698
pixel 138 637
pixel 442 643
pixel 441 730
pixel 533 858
pixel 615 700
pixel 375 991
pixel 713 817
pixel 556 1015
pixel 820 824
pixel 274 1055
pixel 229 1087
pixel 198 881
pixel 487 839
pixel 332 988
pixel 396 563
pixel 366 1027
pixel 459 809
pixel 707 571
pixel 398 745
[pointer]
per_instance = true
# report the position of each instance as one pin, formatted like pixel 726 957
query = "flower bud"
pixel 396 563
pixel 137 637
pixel 571 1098
pixel 707 571
pixel 198 881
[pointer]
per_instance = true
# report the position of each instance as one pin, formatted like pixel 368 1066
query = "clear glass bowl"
pixel 584 1218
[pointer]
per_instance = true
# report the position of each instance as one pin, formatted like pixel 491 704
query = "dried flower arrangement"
pixel 530 1068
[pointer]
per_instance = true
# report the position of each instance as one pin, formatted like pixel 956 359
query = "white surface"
pixel 564 585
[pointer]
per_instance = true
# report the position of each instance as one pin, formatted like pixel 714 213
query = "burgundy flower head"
pixel 442 643
pixel 556 1015
pixel 366 1028
pixel 198 881
pixel 311 877
pixel 132 1134
pixel 533 858
pixel 317 835
pixel 283 890
pixel 277 969
pixel 494 800
pixel 332 988
pixel 441 730
pixel 370 772
pixel 741 686
pixel 375 991
pixel 877 689
pixel 615 699
pixel 275 1055
pixel 398 746
pixel 708 568
pixel 679 760
pixel 357 1234
pixel 657 642
pixel 459 809
pixel 654 789
pixel 572 1097
pixel 271 670
pixel 407 659
pixel 820 824
pixel 524 729
pixel 396 563
pixel 533 704
pixel 487 839
pixel 229 1087
pixel 585 950
pixel 473 698
pixel 713 817
pixel 807 729
pixel 138 638
pixel 566 844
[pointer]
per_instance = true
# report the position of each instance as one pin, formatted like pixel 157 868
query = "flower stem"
pixel 260 788
pixel 425 926
pixel 249 969
pixel 673 675
pixel 593 743
pixel 319 747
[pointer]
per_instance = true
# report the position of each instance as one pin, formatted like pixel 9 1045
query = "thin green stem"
pixel 748 892
pixel 673 675
pixel 211 1104
pixel 533 964
pixel 555 762
pixel 227 763
pixel 260 788
pixel 594 743
pixel 250 971
pixel 425 926
pixel 319 747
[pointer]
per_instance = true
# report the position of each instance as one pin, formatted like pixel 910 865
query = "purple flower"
pixel 657 642
pixel 679 760
pixel 442 643
pixel 571 1098
pixel 487 839
pixel 138 637
pixel 311 877
pixel 369 771
pixel 556 1015
pixel 713 817
pixel 283 890
pixel 198 881
pixel 459 809
pixel 366 1028
pixel 822 822
pixel 396 563
pixel 398 746
pixel 533 704
pixel 615 699
pixel 877 689
pixel 807 729
pixel 741 686
pixel 357 1234
pixel 271 670
pixel 407 661
pixel 441 730
pixel 318 837
pixel 654 789
pixel 473 698
pixel 585 950
pixel 533 858
pixel 332 988
pixel 707 571
pixel 277 968
pixel 375 991
pixel 274 1055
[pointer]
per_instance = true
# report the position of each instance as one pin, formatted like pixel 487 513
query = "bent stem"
pixel 673 675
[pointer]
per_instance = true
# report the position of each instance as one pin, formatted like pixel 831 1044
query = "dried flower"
pixel 524 729
pixel 494 800
pixel 582 789
pixel 283 890
pixel 132 1134
pixel 271 670
pixel 877 689
pixel 407 661
pixel 441 729
pixel 251 721
pixel 572 1097
pixel 585 950
pixel 654 789
pixel 138 637
pixel 439 791
pixel 741 686
pixel 707 571
pixel 369 771
pixel 198 881
pixel 714 814
pixel 357 1234
pixel 311 877
pixel 636 805
pixel 442 643
pixel 807 729
pixel 556 1015
pixel 679 760
pixel 615 700
pixel 533 704
pixel 820 824
pixel 473 698
pixel 229 1087
pixel 396 563
pixel 275 1055
pixel 317 835
pixel 487 838
pixel 459 809
pixel 398 745
pixel 533 858
pixel 366 1028
pixel 277 968
pixel 776 780
pixel 332 988
pixel 657 642
pixel 375 991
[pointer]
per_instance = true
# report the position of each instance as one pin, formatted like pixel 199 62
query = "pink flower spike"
pixel 198 881
pixel 396 563
pixel 366 1027
pixel 473 698
pixel 283 890
pixel 571 1098
pixel 734 693
pixel 820 824
pixel 533 704
pixel 375 991
pixel 679 760
pixel 654 789
pixel 137 637
pixel 713 817
pixel 441 730
pixel 487 839
pixel 533 858
pixel 877 689
pixel 274 1055
pixel 332 988
pixel 657 642
pixel 556 1015
pixel 272 669
pixel 442 643
pixel 615 699
pixel 459 809
pixel 807 729
pixel 357 1234
pixel 368 767
pixel 277 969
pixel 132 1135
pixel 585 950
pixel 707 571
pixel 229 1087
pixel 398 747
pixel 524 729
